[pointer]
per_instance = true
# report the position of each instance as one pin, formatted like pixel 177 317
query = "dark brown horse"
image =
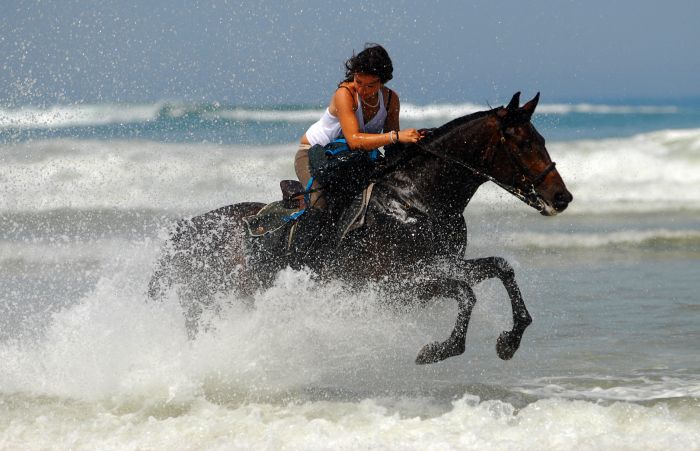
pixel 413 235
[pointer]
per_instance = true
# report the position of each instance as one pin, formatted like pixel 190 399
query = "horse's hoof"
pixel 437 352
pixel 431 353
pixel 507 344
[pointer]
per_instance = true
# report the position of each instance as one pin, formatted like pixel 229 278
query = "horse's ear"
pixel 514 102
pixel 529 107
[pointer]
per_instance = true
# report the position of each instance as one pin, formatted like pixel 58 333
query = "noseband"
pixel 533 180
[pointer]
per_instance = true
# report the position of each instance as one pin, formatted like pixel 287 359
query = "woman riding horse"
pixel 413 235
pixel 362 110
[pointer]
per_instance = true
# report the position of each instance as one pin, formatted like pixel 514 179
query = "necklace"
pixel 372 106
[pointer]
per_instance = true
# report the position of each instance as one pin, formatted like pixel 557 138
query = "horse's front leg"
pixel 455 344
pixel 481 269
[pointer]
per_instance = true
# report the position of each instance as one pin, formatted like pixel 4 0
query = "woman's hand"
pixel 410 135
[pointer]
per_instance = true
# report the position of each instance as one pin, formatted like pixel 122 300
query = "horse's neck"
pixel 445 183
pixel 443 186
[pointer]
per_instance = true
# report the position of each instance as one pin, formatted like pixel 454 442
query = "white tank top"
pixel 328 127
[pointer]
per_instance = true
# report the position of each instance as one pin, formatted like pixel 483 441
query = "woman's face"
pixel 367 85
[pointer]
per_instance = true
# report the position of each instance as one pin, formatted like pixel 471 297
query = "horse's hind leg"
pixel 486 268
pixel 455 344
pixel 204 257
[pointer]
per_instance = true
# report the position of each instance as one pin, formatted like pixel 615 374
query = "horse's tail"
pixel 161 280
pixel 200 251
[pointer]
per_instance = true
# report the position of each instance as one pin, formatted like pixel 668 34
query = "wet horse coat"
pixel 414 231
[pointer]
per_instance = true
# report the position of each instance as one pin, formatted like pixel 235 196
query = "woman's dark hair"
pixel 373 60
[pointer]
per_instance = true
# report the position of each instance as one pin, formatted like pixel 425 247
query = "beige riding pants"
pixel 303 170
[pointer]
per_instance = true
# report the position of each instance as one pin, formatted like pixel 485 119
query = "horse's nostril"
pixel 563 198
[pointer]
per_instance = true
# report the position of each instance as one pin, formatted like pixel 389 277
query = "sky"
pixel 265 52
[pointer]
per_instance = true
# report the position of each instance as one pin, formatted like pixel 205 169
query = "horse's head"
pixel 501 145
pixel 517 159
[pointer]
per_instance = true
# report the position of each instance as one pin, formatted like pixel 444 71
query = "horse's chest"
pixel 403 228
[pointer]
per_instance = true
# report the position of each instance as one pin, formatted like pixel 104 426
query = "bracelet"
pixel 393 139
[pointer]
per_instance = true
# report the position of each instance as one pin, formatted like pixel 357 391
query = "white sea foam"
pixel 441 111
pixel 132 174
pixel 589 108
pixel 301 338
pixel 77 115
pixel 247 114
pixel 59 250
pixel 601 239
pixel 629 389
pixel 312 366
pixel 649 172
pixel 653 171
pixel 451 111
pixel 60 116
pixel 469 424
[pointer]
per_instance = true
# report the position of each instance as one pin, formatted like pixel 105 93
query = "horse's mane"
pixel 455 123
pixel 436 134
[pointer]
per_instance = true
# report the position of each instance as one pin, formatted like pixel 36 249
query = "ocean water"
pixel 86 362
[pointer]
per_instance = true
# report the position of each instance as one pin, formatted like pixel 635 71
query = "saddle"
pixel 276 215
pixel 286 226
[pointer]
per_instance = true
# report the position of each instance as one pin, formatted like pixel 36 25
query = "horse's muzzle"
pixel 562 200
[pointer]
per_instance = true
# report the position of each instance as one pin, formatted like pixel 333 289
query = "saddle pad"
pixel 269 219
pixel 354 216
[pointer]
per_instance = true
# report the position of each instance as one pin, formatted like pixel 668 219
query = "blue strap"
pixel 307 198
pixel 334 152
pixel 373 154
pixel 307 194
pixel 338 150
pixel 294 216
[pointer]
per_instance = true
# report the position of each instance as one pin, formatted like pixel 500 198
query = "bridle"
pixel 533 180
pixel 530 197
